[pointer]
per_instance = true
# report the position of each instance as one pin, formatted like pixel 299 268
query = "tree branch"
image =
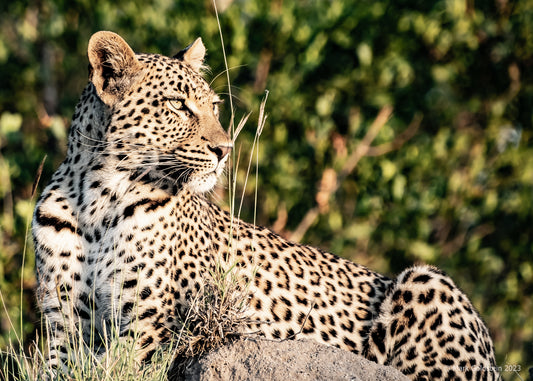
pixel 329 177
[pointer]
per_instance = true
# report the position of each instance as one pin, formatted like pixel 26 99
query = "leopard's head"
pixel 161 120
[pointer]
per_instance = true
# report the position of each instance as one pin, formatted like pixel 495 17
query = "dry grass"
pixel 117 363
pixel 216 317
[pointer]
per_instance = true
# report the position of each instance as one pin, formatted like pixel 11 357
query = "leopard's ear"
pixel 113 66
pixel 193 54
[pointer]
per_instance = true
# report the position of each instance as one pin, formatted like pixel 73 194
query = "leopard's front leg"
pixel 62 294
pixel 66 325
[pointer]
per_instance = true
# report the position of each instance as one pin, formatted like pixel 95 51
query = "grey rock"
pixel 260 359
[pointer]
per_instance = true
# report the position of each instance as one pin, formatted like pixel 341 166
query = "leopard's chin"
pixel 202 183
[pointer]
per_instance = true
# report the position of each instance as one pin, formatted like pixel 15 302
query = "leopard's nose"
pixel 221 151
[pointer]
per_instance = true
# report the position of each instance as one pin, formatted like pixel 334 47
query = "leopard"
pixel 125 235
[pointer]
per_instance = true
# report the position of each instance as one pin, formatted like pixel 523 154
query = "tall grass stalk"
pixel 218 313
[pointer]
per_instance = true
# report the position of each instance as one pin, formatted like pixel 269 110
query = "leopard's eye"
pixel 177 105
pixel 216 105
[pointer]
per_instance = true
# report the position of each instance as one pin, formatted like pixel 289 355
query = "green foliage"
pixel 458 194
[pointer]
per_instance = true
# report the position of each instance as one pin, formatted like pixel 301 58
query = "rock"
pixel 261 359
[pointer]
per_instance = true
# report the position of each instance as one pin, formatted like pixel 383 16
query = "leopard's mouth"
pixel 195 178
pixel 201 182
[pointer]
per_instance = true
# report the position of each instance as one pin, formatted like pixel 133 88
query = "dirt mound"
pixel 260 359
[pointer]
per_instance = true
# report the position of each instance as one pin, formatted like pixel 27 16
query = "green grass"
pixel 116 363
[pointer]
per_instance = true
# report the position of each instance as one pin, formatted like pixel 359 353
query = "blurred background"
pixel 447 180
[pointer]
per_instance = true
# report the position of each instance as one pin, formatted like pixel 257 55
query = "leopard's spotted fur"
pixel 123 234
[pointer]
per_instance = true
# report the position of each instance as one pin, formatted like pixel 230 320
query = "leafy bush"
pixel 448 180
